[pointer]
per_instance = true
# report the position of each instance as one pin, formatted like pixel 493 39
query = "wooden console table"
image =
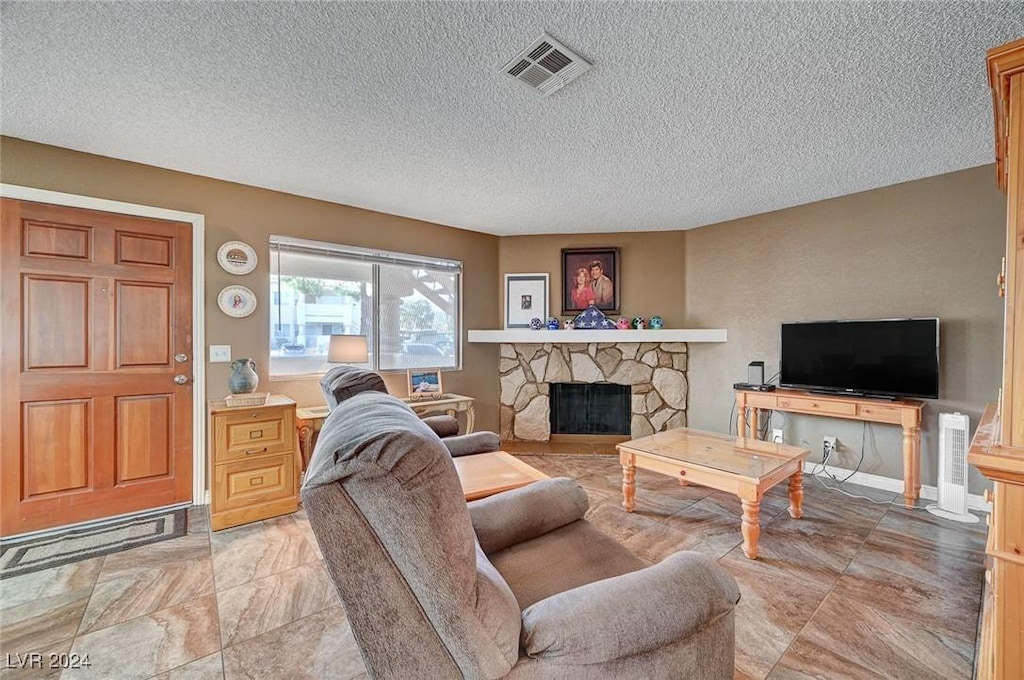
pixel 310 419
pixel 905 413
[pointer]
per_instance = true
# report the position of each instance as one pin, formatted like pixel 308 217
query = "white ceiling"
pixel 694 113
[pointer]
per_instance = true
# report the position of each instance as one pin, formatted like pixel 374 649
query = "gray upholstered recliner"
pixel 342 382
pixel 517 585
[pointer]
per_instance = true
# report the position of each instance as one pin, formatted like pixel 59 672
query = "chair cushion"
pixel 342 382
pixel 568 557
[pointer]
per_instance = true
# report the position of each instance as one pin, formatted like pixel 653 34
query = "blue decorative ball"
pixel 536 324
pixel 657 322
pixel 553 323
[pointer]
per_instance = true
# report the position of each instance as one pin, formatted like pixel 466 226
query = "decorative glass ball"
pixel 536 324
pixel 568 324
pixel 553 323
pixel 657 322
pixel 639 323
pixel 622 324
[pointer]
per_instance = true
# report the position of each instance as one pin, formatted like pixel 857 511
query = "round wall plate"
pixel 236 301
pixel 236 257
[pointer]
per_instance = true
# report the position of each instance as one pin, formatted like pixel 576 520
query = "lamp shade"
pixel 347 349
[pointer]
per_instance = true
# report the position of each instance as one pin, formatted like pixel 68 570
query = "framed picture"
pixel 590 276
pixel 424 383
pixel 526 297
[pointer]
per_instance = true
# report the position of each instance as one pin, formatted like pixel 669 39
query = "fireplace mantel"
pixel 586 336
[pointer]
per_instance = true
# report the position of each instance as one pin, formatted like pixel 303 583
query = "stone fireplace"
pixel 654 371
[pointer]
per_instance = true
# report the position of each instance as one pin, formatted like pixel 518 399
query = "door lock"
pixel 181 378
pixel 181 357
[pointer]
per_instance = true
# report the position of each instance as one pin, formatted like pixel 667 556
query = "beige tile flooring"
pixel 852 590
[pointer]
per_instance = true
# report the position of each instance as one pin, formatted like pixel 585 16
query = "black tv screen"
pixel 884 357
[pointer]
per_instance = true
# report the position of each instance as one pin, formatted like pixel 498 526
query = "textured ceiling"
pixel 694 113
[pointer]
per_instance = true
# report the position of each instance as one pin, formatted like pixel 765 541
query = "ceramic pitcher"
pixel 243 379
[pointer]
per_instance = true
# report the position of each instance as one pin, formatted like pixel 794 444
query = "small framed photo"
pixel 526 297
pixel 590 276
pixel 424 383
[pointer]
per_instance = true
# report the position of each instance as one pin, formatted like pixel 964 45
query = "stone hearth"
pixel 655 371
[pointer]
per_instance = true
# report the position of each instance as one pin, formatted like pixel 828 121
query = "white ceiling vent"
pixel 545 66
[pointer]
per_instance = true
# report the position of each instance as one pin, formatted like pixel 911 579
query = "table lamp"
pixel 348 349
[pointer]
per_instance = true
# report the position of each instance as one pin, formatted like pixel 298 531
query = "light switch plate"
pixel 220 354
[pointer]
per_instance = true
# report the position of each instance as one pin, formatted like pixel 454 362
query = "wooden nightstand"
pixel 253 462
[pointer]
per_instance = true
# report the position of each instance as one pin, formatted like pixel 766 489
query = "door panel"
pixel 144 324
pixel 143 249
pixel 58 240
pixel 57 446
pixel 143 437
pixel 91 421
pixel 55 319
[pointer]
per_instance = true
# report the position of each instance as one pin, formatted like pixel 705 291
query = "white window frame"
pixel 375 257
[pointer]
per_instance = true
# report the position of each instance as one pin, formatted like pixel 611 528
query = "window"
pixel 407 306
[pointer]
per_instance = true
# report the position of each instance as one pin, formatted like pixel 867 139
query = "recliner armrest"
pixel 475 442
pixel 629 614
pixel 518 515
pixel 443 426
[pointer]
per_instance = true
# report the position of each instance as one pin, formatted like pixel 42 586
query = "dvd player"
pixel 752 387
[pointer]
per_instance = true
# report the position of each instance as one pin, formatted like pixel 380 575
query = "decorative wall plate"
pixel 236 257
pixel 236 301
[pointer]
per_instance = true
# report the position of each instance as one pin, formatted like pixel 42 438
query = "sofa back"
pixel 387 509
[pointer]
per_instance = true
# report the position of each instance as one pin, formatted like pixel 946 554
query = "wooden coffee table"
pixel 745 467
pixel 485 474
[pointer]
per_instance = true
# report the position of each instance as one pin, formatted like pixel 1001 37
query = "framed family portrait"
pixel 590 276
pixel 424 383
pixel 526 297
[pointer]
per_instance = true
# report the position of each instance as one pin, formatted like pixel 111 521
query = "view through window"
pixel 407 306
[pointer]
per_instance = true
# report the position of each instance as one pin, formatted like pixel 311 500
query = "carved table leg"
pixel 910 466
pixel 629 484
pixel 751 528
pixel 306 444
pixel 741 421
pixel 796 494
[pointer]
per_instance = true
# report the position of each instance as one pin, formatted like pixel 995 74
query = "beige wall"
pixel 235 211
pixel 924 248
pixel 653 279
pixel 931 247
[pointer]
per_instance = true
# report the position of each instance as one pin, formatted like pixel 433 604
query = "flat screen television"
pixel 878 357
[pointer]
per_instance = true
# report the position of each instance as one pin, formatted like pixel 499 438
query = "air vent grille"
pixel 519 68
pixel 536 52
pixel 546 66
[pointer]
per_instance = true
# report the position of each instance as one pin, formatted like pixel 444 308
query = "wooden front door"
pixel 97 322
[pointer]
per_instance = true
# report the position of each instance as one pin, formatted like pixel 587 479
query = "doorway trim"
pixel 198 222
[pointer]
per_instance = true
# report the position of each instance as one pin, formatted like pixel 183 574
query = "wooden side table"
pixel 310 419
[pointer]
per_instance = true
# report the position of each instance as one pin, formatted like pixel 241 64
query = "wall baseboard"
pixel 930 493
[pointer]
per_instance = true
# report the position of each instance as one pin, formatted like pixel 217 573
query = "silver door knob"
pixel 181 358
pixel 181 379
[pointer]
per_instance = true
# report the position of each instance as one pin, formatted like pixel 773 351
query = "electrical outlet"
pixel 777 435
pixel 829 445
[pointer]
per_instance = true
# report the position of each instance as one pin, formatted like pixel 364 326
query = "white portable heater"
pixel 953 432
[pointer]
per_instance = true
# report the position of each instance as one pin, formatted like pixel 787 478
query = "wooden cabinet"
pixel 998 446
pixel 253 461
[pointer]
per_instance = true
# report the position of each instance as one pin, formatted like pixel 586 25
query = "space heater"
pixel 952 492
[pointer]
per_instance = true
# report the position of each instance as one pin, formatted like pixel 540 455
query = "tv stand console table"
pixel 905 413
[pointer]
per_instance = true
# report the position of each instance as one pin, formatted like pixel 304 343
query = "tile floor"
pixel 852 590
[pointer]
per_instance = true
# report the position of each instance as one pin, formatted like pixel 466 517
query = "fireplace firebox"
pixel 590 408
